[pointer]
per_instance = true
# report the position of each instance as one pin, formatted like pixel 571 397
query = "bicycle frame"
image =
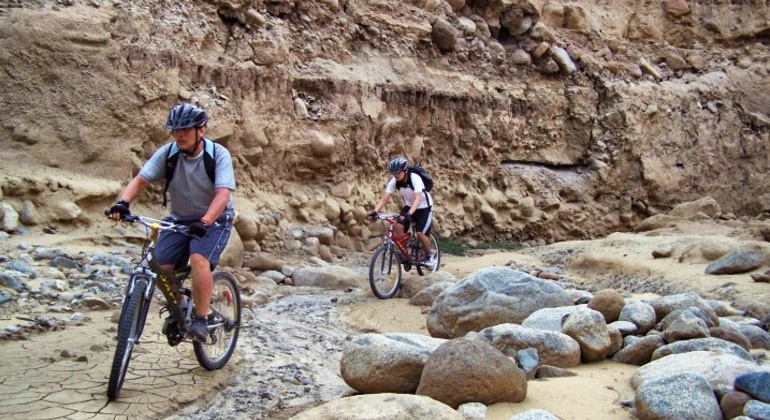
pixel 149 269
pixel 403 244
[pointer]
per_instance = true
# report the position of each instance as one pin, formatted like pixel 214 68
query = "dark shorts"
pixel 175 248
pixel 422 218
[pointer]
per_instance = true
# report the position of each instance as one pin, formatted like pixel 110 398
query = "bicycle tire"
pixel 128 334
pixel 435 247
pixel 385 272
pixel 226 317
pixel 418 253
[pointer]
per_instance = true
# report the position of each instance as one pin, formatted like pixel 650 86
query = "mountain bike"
pixel 224 314
pixel 407 251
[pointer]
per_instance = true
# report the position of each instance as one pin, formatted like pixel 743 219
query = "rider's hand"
pixel 405 216
pixel 198 229
pixel 374 215
pixel 120 209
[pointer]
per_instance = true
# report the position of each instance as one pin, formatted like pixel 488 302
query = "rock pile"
pixel 519 326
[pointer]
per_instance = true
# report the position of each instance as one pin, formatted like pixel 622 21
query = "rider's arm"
pixel 383 201
pixel 217 206
pixel 133 188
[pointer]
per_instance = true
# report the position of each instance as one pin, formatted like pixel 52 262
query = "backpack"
pixel 426 178
pixel 209 162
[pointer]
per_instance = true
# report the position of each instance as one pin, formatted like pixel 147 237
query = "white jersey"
pixel 408 193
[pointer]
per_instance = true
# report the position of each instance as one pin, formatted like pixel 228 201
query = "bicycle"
pixel 223 320
pixel 384 275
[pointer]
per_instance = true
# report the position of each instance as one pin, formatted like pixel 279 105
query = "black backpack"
pixel 209 161
pixel 426 178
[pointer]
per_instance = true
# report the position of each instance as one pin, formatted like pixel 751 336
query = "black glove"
pixel 198 229
pixel 374 215
pixel 405 216
pixel 121 208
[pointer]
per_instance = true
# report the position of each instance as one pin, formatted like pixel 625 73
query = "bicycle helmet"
pixel 186 116
pixel 397 165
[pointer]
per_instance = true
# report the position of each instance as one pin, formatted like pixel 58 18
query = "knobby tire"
pixel 226 316
pixel 385 272
pixel 129 328
pixel 418 252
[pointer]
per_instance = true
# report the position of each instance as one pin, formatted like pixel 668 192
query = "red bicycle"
pixel 407 251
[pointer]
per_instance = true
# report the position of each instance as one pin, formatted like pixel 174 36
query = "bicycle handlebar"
pixel 176 225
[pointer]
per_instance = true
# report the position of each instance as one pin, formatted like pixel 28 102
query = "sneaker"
pixel 431 260
pixel 198 329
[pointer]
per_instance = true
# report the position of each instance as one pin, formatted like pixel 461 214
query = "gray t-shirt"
pixel 191 191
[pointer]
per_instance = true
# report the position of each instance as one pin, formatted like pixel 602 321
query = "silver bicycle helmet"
pixel 397 165
pixel 186 116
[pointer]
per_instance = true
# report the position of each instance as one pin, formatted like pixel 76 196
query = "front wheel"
pixel 224 322
pixel 129 329
pixel 385 272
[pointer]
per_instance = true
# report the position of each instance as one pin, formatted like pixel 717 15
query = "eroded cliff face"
pixel 539 120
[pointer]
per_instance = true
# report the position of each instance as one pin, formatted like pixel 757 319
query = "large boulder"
pixel 463 370
pixel 491 296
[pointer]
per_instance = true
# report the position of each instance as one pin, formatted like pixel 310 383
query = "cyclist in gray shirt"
pixel 195 197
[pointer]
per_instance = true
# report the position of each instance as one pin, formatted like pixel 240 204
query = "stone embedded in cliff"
pixel 575 18
pixel 541 32
pixel 516 22
pixel 467 26
pixel 649 69
pixel 541 49
pixel 66 211
pixel 561 58
pixel 232 256
pixel 10 218
pixel 521 58
pixel 254 18
pixel 688 210
pixel 675 61
pixel 444 36
pixel 456 4
pixel 675 8
pixel 482 28
pixel 428 5
pixel 321 144
pixel 300 108
pixel 696 61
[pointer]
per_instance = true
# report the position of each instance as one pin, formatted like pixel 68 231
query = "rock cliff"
pixel 539 120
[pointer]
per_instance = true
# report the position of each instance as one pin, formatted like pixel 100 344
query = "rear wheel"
pixel 224 322
pixel 418 254
pixel 385 272
pixel 434 246
pixel 129 329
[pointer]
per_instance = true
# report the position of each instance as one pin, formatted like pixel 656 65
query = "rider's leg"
pixel 204 256
pixel 203 283
pixel 170 250
pixel 422 222
pixel 425 241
